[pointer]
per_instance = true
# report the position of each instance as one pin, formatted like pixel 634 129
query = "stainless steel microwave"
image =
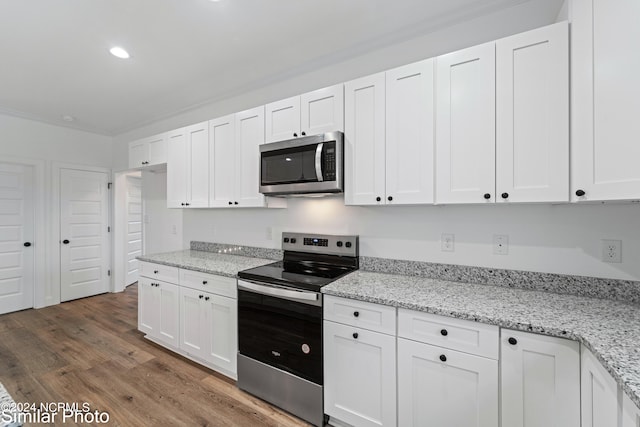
pixel 305 165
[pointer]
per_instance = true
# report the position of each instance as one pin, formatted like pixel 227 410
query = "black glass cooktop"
pixel 299 270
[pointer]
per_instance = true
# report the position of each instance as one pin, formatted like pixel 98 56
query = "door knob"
pixel 487 196
pixel 27 244
pixel 65 241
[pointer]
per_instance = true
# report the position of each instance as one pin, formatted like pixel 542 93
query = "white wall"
pixel 27 138
pixel 162 227
pixel 549 238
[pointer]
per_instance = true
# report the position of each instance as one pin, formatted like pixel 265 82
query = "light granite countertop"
pixel 610 329
pixel 207 262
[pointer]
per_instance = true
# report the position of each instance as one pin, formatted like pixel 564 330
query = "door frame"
pixel 54 246
pixel 40 284
pixel 118 268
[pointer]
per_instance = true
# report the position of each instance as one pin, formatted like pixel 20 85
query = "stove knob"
pixel 339 243
pixel 293 240
pixel 286 240
pixel 348 244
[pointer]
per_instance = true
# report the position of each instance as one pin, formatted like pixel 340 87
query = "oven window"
pixel 281 333
pixel 291 165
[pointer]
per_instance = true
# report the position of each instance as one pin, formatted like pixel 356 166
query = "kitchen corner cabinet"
pixel 465 126
pixel 540 380
pixel 158 310
pixel 312 113
pixel 188 167
pixel 389 136
pixel 605 100
pixel 599 393
pixel 532 116
pixel 359 363
pixel 148 151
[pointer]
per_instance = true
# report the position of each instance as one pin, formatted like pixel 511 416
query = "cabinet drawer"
pixel 159 272
pixel 225 286
pixel 463 335
pixel 375 317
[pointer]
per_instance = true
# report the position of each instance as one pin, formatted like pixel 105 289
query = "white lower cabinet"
pixel 359 379
pixel 630 413
pixel 441 387
pixel 197 318
pixel 540 380
pixel 599 393
pixel 158 310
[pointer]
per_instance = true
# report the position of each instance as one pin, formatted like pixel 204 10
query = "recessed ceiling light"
pixel 68 118
pixel 119 52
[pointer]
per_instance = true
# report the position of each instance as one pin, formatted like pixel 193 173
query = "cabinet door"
pixel 359 375
pixel 440 387
pixel 410 127
pixel 222 161
pixel 282 119
pixel 364 136
pixel 599 393
pixel 322 110
pixel 540 380
pixel 193 327
pixel 221 341
pixel 630 413
pixel 168 302
pixel 157 149
pixel 605 99
pixel 249 136
pixel 465 126
pixel 148 309
pixel 137 154
pixel 198 165
pixel 532 102
pixel 177 169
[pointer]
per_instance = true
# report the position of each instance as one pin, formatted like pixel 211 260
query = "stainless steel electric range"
pixel 280 321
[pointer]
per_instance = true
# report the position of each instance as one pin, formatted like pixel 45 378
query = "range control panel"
pixel 321 243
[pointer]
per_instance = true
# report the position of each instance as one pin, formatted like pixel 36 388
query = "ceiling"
pixel 186 53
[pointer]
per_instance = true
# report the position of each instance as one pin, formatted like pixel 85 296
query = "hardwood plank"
pixel 90 350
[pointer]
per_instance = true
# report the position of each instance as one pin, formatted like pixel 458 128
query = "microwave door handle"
pixel 319 162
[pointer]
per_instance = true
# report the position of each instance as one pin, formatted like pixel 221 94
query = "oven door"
pixel 281 327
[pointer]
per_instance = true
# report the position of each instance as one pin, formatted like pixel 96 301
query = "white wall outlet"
pixel 612 250
pixel 500 244
pixel 174 229
pixel 269 234
pixel 447 242
pixel 146 218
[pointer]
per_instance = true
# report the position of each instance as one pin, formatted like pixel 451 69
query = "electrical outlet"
pixel 269 234
pixel 612 251
pixel 500 244
pixel 174 229
pixel 447 242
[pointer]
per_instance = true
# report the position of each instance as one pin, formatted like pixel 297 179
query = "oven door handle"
pixel 319 174
pixel 277 292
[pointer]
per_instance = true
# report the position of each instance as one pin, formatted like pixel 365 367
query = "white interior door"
pixel 134 227
pixel 84 241
pixel 16 229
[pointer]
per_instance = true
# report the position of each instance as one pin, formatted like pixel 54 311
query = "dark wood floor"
pixel 90 350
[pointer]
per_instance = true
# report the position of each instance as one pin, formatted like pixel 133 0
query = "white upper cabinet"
pixel 364 129
pixel 605 100
pixel 409 133
pixel 540 380
pixel 310 114
pixel 532 102
pixel 148 151
pixel 283 119
pixel 249 126
pixel 322 110
pixel 222 161
pixel 465 126
pixel 188 167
